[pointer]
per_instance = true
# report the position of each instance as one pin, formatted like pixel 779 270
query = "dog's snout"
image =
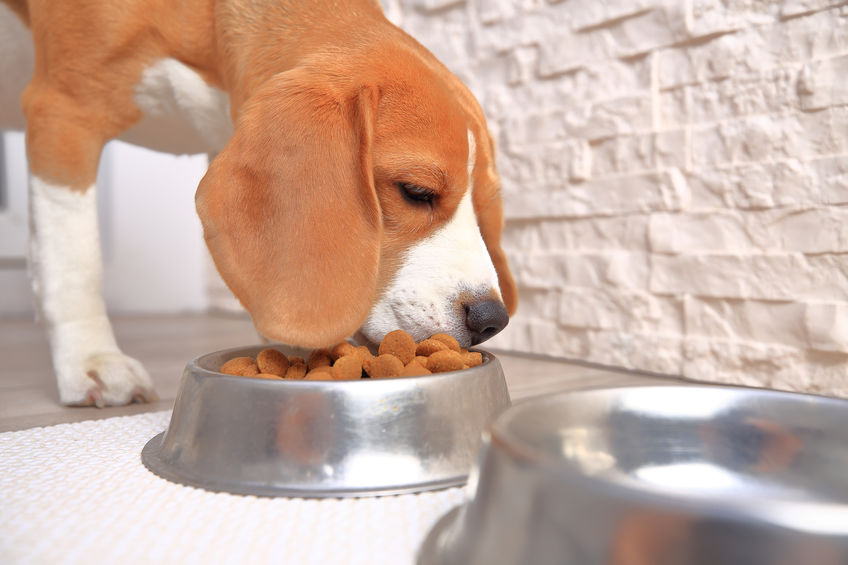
pixel 485 318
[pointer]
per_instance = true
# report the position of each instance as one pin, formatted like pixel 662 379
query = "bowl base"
pixel 151 457
pixel 428 553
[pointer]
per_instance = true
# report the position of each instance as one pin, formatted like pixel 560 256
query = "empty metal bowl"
pixel 325 438
pixel 693 475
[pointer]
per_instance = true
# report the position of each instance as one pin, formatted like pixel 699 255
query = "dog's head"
pixel 361 196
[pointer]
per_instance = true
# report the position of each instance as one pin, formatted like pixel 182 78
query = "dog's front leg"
pixel 65 263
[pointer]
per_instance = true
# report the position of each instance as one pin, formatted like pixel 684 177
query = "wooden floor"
pixel 164 343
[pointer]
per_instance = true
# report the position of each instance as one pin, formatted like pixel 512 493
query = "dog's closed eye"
pixel 416 194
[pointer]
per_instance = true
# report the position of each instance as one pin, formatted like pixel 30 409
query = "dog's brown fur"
pixel 332 107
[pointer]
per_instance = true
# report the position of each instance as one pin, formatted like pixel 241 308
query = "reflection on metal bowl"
pixel 325 438
pixel 674 475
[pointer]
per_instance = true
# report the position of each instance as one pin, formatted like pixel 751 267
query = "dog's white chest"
pixel 182 113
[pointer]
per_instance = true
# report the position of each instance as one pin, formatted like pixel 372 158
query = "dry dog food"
pixel 397 356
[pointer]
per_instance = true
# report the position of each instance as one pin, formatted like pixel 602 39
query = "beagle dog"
pixel 353 189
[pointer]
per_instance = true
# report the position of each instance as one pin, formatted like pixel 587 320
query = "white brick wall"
pixel 675 177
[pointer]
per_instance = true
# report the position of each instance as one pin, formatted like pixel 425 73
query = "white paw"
pixel 104 379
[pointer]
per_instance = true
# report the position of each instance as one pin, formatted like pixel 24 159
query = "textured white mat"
pixel 78 493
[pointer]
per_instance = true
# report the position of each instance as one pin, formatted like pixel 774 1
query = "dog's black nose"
pixel 484 319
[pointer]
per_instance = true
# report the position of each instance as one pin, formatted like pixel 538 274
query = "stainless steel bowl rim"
pixel 417 433
pixel 639 493
pixel 662 472
pixel 498 428
pixel 196 362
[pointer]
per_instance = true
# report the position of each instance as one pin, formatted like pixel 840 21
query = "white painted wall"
pixel 15 294
pixel 675 177
pixel 153 250
pixel 153 243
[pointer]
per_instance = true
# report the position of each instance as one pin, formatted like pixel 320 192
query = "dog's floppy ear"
pixel 290 213
pixel 490 217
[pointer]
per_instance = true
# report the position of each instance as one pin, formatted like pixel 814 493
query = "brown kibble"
pixel 400 344
pixel 297 370
pixel 383 367
pixel 342 349
pixel 240 367
pixel 272 361
pixel 472 358
pixel 448 340
pixel 364 353
pixel 347 368
pixel 399 355
pixel 444 361
pixel 414 369
pixel 318 358
pixel 322 373
pixel 267 376
pixel 430 346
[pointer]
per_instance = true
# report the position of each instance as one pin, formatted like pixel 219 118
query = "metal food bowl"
pixel 694 475
pixel 325 438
